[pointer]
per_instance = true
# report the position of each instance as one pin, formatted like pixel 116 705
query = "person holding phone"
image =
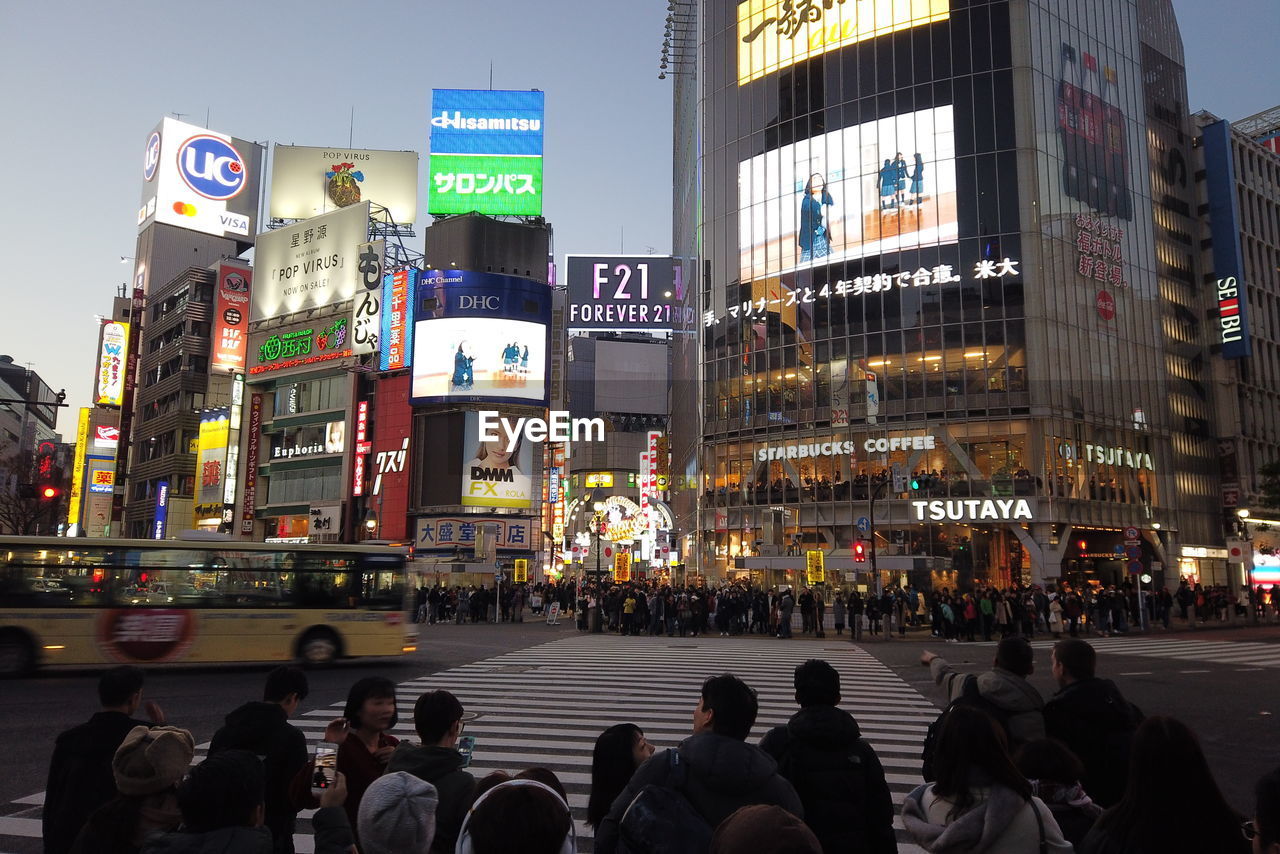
pixel 438 720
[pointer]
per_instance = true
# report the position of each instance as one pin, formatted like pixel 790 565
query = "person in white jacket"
pixel 980 803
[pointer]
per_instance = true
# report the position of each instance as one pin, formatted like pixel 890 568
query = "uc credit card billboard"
pixel 486 152
pixel 480 337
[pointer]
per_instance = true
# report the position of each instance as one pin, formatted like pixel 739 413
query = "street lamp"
pixel 597 519
pixel 1243 513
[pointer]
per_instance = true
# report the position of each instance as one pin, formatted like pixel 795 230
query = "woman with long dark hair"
pixel 1167 766
pixel 814 235
pixel 619 751
pixel 980 802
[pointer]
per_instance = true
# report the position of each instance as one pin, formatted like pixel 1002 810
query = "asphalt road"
pixel 1232 706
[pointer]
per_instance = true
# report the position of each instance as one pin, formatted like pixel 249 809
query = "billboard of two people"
pixel 872 188
pixel 479 357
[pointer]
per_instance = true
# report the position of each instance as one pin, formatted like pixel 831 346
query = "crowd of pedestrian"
pixel 1007 772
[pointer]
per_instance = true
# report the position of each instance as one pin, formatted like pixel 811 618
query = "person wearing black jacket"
pixel 1091 717
pixel 438 720
pixel 723 771
pixel 264 730
pixel 80 775
pixel 835 770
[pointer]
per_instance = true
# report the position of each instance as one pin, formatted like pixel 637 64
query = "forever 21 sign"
pixel 621 292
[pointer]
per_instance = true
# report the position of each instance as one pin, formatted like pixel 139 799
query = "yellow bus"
pixel 106 601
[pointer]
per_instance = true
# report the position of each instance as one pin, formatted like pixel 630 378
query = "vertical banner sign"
pixel 521 573
pixel 211 456
pixel 253 447
pixel 366 314
pixel 77 471
pixel 1224 227
pixel 111 363
pixel 231 317
pixel 397 319
pixel 162 510
pixel 840 393
pixel 362 448
pixel 873 395
pixel 815 570
pixel 622 566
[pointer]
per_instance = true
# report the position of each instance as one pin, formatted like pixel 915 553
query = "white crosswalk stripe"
pixel 545 705
pixel 1242 653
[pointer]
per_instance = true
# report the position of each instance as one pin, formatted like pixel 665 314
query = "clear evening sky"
pixel 85 83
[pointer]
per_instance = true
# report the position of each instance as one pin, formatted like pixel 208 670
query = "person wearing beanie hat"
pixel 764 829
pixel 147 768
pixel 398 815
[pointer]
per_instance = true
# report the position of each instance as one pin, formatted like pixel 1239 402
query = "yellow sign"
pixel 600 478
pixel 622 566
pixel 521 574
pixel 815 571
pixel 77 470
pixel 113 360
pixel 776 34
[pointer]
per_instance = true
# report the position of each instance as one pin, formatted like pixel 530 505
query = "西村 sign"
pixel 325 519
pixel 312 344
pixel 973 510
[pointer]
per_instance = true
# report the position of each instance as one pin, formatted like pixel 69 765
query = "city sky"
pixel 87 82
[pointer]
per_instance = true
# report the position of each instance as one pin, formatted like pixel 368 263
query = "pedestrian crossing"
pixel 545 706
pixel 1237 653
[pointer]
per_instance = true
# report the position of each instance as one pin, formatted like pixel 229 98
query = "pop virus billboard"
pixel 309 264
pixel 200 180
pixel 306 181
pixel 486 152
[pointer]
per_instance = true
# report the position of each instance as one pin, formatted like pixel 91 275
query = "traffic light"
pixel 859 552
pixel 916 483
pixel 1082 545
pixel 49 493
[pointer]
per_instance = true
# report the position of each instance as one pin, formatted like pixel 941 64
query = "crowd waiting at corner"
pixel 1006 772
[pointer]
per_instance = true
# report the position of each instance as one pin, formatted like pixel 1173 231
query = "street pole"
pixel 871 496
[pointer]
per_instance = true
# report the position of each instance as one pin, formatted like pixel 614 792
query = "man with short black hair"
pixel 835 771
pixel 438 719
pixel 721 771
pixel 80 777
pixel 264 730
pixel 1015 701
pixel 1266 815
pixel 1092 718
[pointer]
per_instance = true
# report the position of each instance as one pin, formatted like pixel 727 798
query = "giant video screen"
pixel 872 188
pixel 479 358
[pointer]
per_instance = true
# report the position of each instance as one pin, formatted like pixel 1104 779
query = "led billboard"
pixel 309 264
pixel 200 180
pixel 230 317
pixel 1224 227
pixel 398 289
pixel 872 188
pixel 307 182
pixel 211 456
pixel 495 473
pixel 113 354
pixel 621 292
pixel 776 34
pixel 486 152
pixel 480 337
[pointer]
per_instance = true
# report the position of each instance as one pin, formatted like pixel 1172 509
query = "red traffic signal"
pixel 1082 545
pixel 49 493
pixel 859 552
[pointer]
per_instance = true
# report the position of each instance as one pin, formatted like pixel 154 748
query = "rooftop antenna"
pixel 207 111
pixel 491 75
pixel 622 231
pixel 179 116
pixel 351 129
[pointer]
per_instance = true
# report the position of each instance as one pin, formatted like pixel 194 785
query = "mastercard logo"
pixel 184 209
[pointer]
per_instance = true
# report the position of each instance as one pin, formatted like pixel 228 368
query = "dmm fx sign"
pixel 973 510
pixel 804 451
pixel 815 568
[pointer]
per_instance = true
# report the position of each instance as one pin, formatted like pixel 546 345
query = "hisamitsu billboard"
pixel 486 152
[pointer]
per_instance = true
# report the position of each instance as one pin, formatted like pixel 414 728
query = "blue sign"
pixel 486 121
pixel 162 510
pixel 864 524
pixel 152 158
pixel 1224 227
pixel 463 293
pixel 399 294
pixel 211 167
pixel 1135 566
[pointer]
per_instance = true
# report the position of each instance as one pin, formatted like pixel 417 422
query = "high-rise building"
pixel 947 309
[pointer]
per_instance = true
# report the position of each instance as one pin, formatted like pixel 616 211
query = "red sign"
pixel 362 448
pixel 1106 305
pixel 150 635
pixel 398 307
pixel 1099 250
pixel 254 445
pixel 230 317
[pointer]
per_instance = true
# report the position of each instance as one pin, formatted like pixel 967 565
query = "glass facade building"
pixel 933 290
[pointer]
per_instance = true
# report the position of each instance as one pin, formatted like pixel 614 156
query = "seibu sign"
pixel 973 510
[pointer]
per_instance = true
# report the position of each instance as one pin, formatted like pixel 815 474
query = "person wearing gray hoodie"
pixel 1005 686
pixel 438 719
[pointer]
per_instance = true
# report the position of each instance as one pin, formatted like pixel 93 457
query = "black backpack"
pixel 660 819
pixel 970 696
pixel 833 788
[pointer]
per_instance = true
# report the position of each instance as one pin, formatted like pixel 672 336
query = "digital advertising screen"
pixel 622 292
pixel 497 472
pixel 486 152
pixel 868 189
pixel 480 337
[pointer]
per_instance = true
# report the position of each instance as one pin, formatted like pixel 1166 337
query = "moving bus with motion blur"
pixel 115 601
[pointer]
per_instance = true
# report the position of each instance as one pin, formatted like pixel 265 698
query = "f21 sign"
pixel 623 292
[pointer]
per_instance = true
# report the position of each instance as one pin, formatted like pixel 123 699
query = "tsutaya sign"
pixel 1118 456
pixel 973 509
pixel 800 452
